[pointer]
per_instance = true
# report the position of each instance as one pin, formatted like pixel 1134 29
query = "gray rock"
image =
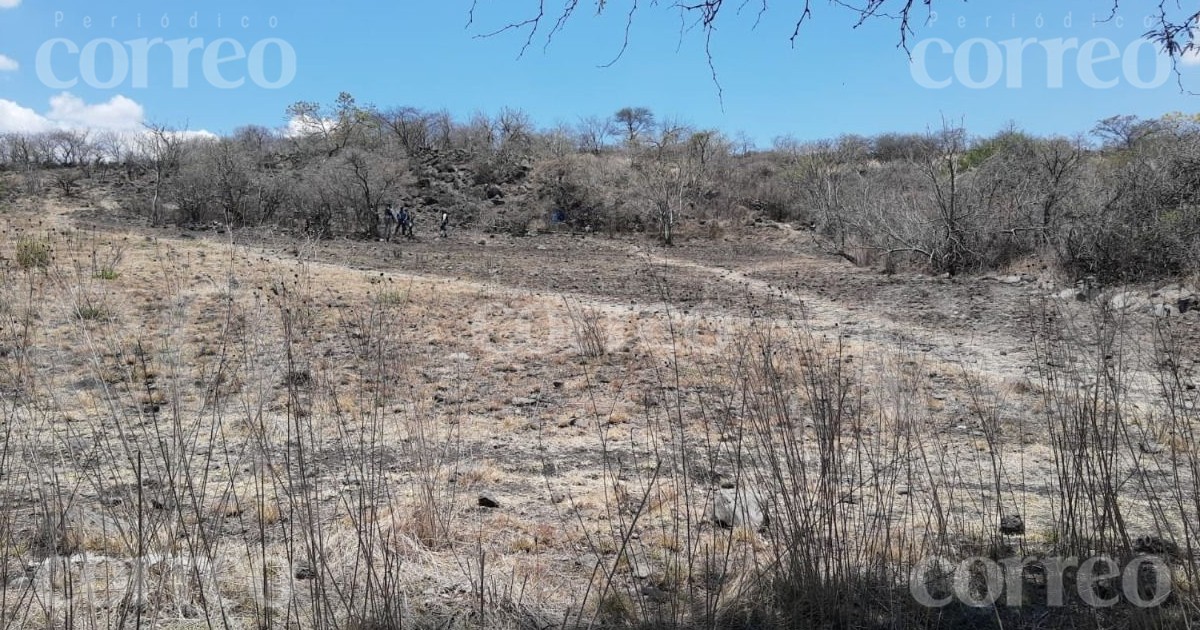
pixel 640 569
pixel 1170 296
pixel 1181 299
pixel 588 561
pixel 738 508
pixel 1012 525
pixel 638 563
pixel 1164 310
pixel 655 595
pixel 1156 545
pixel 1127 300
pixel 488 501
pixel 303 570
pixel 1151 447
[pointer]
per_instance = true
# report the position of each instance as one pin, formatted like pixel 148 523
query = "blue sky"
pixel 836 79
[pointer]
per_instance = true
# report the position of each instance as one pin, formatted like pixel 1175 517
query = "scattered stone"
pixel 304 571
pixel 1155 545
pixel 1010 279
pixel 1127 300
pixel 1012 525
pixel 655 595
pixel 733 508
pixel 1151 447
pixel 14 572
pixel 488 502
pixel 1170 296
pixel 1164 310
pixel 640 569
pixel 589 561
pixel 522 401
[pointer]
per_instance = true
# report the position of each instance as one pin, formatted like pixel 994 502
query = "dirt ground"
pixel 485 349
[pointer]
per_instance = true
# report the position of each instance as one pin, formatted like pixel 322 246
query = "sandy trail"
pixel 987 353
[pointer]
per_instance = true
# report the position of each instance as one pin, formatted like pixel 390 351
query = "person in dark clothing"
pixel 445 224
pixel 391 216
pixel 405 222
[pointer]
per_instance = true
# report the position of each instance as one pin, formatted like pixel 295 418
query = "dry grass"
pixel 259 439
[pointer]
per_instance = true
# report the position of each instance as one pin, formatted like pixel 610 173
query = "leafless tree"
pixel 743 144
pixel 24 150
pixel 1059 161
pixel 479 136
pixel 412 128
pixel 515 129
pixel 945 172
pixel 231 170
pixel 559 141
pixel 1124 132
pixel 372 179
pixel 68 147
pixel 112 147
pixel 594 133
pixel 256 140
pixel 441 127
pixel 161 148
pixel 665 184
pixel 707 150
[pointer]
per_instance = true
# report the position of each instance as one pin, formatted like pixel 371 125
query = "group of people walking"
pixel 402 222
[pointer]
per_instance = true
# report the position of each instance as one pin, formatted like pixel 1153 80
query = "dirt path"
pixel 988 353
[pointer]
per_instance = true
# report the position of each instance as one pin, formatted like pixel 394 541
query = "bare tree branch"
pixel 1174 29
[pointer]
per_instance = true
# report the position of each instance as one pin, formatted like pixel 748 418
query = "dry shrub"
pixel 587 326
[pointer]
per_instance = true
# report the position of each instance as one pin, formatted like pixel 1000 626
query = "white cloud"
pixel 199 134
pixel 14 117
pixel 67 111
pixel 118 114
pixel 8 64
pixel 1191 57
pixel 299 126
pixel 9 4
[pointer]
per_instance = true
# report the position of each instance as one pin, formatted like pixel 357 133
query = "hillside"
pixel 248 427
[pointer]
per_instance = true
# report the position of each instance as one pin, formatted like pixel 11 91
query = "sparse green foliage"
pixel 91 312
pixel 33 252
